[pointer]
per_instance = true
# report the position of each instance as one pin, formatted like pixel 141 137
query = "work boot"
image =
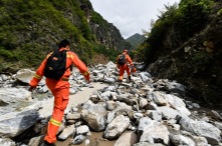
pixel 119 80
pixel 129 78
pixel 45 143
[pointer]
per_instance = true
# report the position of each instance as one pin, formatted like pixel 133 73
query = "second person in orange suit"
pixel 125 66
pixel 59 88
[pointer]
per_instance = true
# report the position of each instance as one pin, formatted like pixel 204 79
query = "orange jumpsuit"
pixel 124 67
pixel 60 91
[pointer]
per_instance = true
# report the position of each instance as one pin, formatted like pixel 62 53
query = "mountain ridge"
pixel 135 40
pixel 29 30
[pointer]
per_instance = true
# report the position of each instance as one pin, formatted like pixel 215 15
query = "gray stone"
pixel 95 116
pixel 13 124
pixel 182 140
pixel 67 131
pixel 152 131
pixel 126 139
pixel 116 127
pixel 201 128
pixel 13 95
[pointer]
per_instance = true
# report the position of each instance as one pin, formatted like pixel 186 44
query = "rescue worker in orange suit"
pixel 59 89
pixel 125 66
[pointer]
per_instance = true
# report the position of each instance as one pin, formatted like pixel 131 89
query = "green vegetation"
pixel 176 46
pixel 135 40
pixel 30 29
pixel 184 20
pixel 111 54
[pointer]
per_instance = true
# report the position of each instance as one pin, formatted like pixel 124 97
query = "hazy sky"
pixel 130 16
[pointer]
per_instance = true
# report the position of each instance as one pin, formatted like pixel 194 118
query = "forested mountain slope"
pixel 31 29
pixel 135 40
pixel 185 45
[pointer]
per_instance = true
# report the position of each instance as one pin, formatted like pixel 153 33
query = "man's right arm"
pixel 38 74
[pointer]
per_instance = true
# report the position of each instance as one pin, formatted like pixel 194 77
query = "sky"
pixel 131 16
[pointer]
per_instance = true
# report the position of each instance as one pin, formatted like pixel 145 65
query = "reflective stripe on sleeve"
pixel 85 73
pixel 37 76
pixel 54 122
pixel 70 56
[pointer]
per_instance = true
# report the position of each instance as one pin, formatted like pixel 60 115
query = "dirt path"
pixel 78 98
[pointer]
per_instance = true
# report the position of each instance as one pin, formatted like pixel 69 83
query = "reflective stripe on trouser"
pixel 60 103
pixel 122 69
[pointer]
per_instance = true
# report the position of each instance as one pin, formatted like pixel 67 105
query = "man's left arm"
pixel 129 60
pixel 81 66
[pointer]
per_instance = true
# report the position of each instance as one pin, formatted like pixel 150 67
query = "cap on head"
pixel 64 43
pixel 125 51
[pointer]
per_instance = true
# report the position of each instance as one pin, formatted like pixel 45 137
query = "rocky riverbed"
pixel 143 112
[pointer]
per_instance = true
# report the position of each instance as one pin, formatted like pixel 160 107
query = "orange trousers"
pixel 122 69
pixel 60 91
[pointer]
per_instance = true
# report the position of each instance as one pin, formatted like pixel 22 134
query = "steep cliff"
pixel 190 52
pixel 31 29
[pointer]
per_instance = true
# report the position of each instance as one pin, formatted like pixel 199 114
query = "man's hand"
pixel 87 77
pixel 88 81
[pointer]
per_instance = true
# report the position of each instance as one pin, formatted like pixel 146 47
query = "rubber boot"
pixel 129 78
pixel 45 143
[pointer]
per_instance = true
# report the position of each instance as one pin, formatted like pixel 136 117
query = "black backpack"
pixel 55 65
pixel 122 59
